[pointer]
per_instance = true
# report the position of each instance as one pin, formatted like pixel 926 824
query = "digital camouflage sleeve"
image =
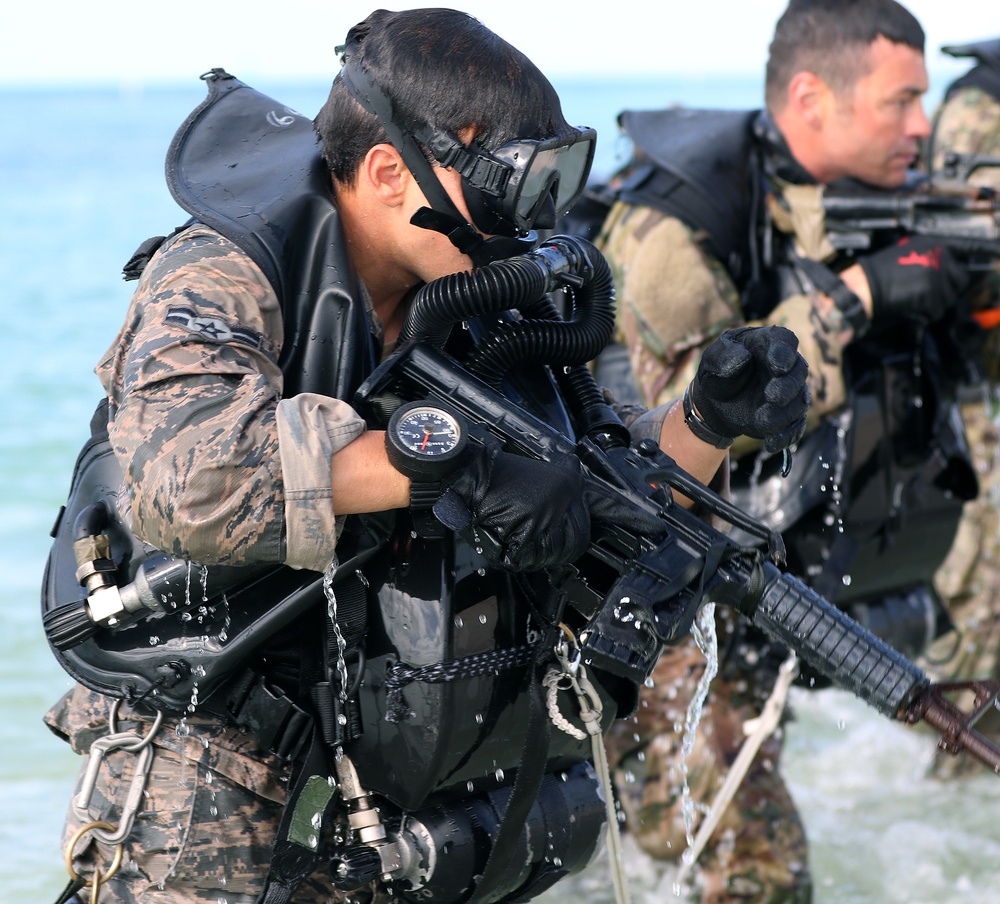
pixel 218 466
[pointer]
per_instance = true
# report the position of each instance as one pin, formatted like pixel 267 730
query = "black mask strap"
pixel 442 216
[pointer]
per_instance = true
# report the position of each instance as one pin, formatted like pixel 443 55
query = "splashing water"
pixel 331 610
pixel 703 632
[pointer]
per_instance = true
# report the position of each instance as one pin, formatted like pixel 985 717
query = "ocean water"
pixel 81 185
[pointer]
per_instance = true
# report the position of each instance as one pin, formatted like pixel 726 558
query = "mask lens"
pixel 568 166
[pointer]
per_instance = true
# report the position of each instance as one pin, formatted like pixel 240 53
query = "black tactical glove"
pixel 522 513
pixel 751 381
pixel 918 278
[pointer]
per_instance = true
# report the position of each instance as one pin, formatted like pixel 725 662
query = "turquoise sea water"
pixel 80 186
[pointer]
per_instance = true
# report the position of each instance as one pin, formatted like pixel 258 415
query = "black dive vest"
pixel 250 168
pixel 872 504
pixel 698 166
pixel 271 196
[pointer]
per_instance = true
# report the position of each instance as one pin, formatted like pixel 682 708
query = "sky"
pixel 132 43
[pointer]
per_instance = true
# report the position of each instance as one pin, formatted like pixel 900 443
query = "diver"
pixel 718 222
pixel 966 128
pixel 305 658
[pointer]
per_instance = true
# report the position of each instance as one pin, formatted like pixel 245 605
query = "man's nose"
pixel 917 123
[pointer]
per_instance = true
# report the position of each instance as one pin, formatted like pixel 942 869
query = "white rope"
pixel 756 731
pixel 575 675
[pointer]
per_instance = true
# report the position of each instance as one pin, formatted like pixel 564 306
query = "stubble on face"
pixel 877 126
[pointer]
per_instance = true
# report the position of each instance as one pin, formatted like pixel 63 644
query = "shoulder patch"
pixel 215 329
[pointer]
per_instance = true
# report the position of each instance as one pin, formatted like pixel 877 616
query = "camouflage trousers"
pixel 758 852
pixel 969 583
pixel 207 820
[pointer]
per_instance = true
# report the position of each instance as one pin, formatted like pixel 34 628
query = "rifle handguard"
pixel 835 645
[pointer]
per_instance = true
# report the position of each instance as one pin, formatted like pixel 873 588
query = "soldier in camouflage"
pixel 233 451
pixel 843 94
pixel 968 122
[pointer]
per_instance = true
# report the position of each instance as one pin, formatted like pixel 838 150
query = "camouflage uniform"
pixel 969 580
pixel 196 358
pixel 208 817
pixel 674 300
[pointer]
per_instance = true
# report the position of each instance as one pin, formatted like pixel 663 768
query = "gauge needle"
pixel 427 436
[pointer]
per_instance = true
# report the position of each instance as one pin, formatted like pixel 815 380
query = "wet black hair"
pixel 829 38
pixel 443 67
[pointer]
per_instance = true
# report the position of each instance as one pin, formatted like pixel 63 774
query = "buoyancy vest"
pixel 874 499
pixel 271 196
pixel 698 166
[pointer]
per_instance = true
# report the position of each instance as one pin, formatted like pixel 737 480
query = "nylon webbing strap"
pixel 280 726
pixel 69 893
pixel 830 284
pixel 299 843
pixel 527 783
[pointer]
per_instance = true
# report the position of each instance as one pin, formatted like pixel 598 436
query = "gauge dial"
pixel 423 441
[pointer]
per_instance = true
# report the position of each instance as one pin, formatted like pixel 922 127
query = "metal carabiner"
pixel 129 741
pixel 567 652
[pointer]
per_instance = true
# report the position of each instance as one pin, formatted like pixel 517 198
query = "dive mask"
pixel 524 184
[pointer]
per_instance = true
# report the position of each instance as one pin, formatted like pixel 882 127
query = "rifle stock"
pixel 661 576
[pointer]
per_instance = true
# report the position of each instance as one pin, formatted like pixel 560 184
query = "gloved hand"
pixel 917 278
pixel 752 381
pixel 522 513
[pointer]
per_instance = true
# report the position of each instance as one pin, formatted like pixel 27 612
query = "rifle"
pixel 965 217
pixel 640 589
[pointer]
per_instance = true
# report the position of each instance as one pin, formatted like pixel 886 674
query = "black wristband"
pixel 424 493
pixel 699 428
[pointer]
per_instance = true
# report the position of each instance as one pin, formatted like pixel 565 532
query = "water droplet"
pixel 479 718
pixel 499 775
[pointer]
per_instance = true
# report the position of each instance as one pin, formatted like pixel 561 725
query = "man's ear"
pixel 386 174
pixel 809 98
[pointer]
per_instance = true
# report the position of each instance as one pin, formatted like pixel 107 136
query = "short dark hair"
pixel 442 67
pixel 829 38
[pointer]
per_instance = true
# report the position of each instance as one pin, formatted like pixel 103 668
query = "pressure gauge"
pixel 424 442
